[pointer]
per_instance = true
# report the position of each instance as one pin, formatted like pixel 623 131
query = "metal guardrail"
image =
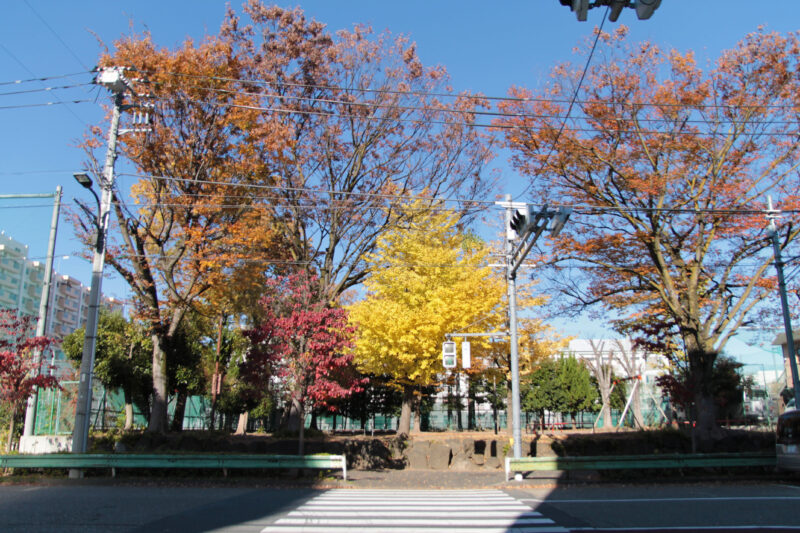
pixel 619 462
pixel 223 461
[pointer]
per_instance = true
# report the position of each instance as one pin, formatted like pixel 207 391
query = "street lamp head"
pixel 83 178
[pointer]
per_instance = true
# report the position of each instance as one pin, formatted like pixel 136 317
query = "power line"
pixel 46 89
pixel 371 118
pixel 57 36
pixel 47 78
pixel 477 96
pixel 45 104
pixel 588 210
pixel 15 58
pixel 448 110
pixel 572 101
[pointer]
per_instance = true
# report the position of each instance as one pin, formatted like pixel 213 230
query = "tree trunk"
pixel 706 430
pixel 158 408
pixel 636 406
pixel 301 434
pixel 241 428
pixel 126 393
pixel 416 410
pixel 294 420
pixel 404 424
pixel 180 410
pixel 11 432
pixel 605 413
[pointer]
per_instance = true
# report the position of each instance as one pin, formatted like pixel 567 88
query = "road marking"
pixel 688 528
pixel 656 500
pixel 338 511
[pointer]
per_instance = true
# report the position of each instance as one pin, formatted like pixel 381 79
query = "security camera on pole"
pixel 524 224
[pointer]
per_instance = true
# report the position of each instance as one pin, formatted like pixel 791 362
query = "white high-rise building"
pixel 22 282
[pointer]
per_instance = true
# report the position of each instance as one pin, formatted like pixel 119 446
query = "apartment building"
pixel 22 282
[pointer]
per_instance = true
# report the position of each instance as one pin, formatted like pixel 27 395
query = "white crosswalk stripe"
pixel 414 511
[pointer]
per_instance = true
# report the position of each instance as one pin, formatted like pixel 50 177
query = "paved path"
pixel 414 511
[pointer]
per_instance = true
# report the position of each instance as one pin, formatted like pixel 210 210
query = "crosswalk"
pixel 414 511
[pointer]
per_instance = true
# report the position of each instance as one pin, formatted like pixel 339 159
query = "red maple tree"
pixel 306 344
pixel 20 368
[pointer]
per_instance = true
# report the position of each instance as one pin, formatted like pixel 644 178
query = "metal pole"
pixel 44 305
pixel 787 320
pixel 516 433
pixel 80 433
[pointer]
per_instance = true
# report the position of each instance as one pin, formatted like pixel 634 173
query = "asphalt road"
pixel 670 507
pixel 116 507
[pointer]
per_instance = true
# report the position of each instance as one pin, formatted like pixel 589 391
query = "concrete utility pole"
pixel 112 79
pixel 44 304
pixel 787 319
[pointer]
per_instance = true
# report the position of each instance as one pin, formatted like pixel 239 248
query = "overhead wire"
pixel 21 64
pixel 443 110
pixel 475 95
pixel 45 104
pixel 576 208
pixel 46 78
pixel 571 103
pixel 57 36
pixel 493 126
pixel 46 89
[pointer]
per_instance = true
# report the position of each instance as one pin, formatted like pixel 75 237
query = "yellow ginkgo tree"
pixel 429 279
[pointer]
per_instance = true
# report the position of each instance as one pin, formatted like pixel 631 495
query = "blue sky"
pixel 486 46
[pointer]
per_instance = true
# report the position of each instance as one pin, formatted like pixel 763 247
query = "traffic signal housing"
pixel 449 357
pixel 579 7
pixel 559 219
pixel 520 222
pixel 645 8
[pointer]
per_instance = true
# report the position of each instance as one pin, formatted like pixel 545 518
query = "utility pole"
pixel 787 319
pixel 114 80
pixel 44 304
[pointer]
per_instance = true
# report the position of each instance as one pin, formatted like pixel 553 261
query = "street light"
pixel 80 433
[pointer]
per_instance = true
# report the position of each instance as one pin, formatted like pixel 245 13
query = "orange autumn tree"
pixel 368 122
pixel 192 217
pixel 317 130
pixel 670 165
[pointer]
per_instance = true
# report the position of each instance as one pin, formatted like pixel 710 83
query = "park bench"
pixel 615 462
pixel 223 461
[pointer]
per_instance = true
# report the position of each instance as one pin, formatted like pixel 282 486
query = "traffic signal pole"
pixel 521 225
pixel 511 276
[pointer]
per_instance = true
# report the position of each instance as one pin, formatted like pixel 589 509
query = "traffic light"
pixel 645 8
pixel 519 221
pixel 559 219
pixel 615 8
pixel 579 7
pixel 449 359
